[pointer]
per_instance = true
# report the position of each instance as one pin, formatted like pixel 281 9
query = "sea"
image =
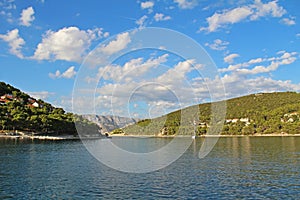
pixel 236 168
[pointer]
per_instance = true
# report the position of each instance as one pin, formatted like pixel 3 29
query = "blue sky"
pixel 254 44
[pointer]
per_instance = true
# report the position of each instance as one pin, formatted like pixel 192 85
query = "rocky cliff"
pixel 109 123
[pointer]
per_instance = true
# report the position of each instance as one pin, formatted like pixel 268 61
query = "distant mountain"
pixel 262 113
pixel 109 123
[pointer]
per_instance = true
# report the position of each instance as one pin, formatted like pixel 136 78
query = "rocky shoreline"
pixel 44 136
pixel 204 136
pixel 21 135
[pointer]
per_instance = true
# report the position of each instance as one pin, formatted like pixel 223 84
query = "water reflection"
pixel 237 168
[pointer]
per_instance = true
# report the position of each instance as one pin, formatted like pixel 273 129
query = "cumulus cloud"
pixel 252 85
pixel 15 42
pixel 147 4
pixel 150 81
pixel 285 59
pixel 176 74
pixel 288 21
pixel 270 64
pixel 226 17
pixel 252 12
pixel 236 84
pixel 55 75
pixel 231 57
pixel 161 17
pixel 256 60
pixel 271 8
pixel 27 16
pixel 186 4
pixel 218 45
pixel 69 43
pixel 162 88
pixel 69 73
pixel 122 40
pixel 252 76
pixel 132 69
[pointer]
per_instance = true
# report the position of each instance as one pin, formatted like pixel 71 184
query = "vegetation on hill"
pixel 262 113
pixel 19 111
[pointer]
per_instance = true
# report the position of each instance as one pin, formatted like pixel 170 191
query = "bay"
pixel 237 168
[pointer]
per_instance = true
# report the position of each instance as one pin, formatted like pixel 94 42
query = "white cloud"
pixel 6 10
pixel 238 85
pixel 234 87
pixel 161 17
pixel 14 41
pixel 69 43
pixel 256 60
pixel 229 58
pixel 186 4
pixel 141 21
pixel 69 73
pixel 57 74
pixel 171 88
pixel 122 40
pixel 271 8
pixel 130 70
pixel 233 67
pixel 147 4
pixel 288 21
pixel 174 76
pixel 149 81
pixel 165 89
pixel 105 34
pixel 40 95
pixel 271 64
pixel 252 12
pixel 259 69
pixel 27 16
pixel 227 17
pixel 8 5
pixel 218 45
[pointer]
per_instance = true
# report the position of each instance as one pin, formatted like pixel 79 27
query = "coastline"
pixel 204 136
pixel 35 136
pixel 64 137
pixel 71 137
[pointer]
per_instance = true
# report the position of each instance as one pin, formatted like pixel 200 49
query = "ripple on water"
pixel 237 168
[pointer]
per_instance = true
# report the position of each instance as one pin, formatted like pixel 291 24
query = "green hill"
pixel 262 113
pixel 19 111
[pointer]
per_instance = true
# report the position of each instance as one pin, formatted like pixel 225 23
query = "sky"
pixel 45 46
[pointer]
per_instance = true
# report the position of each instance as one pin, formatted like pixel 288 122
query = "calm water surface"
pixel 237 168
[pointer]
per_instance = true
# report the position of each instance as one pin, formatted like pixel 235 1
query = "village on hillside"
pixel 31 102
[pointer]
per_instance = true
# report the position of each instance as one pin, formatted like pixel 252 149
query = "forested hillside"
pixel 19 111
pixel 262 113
